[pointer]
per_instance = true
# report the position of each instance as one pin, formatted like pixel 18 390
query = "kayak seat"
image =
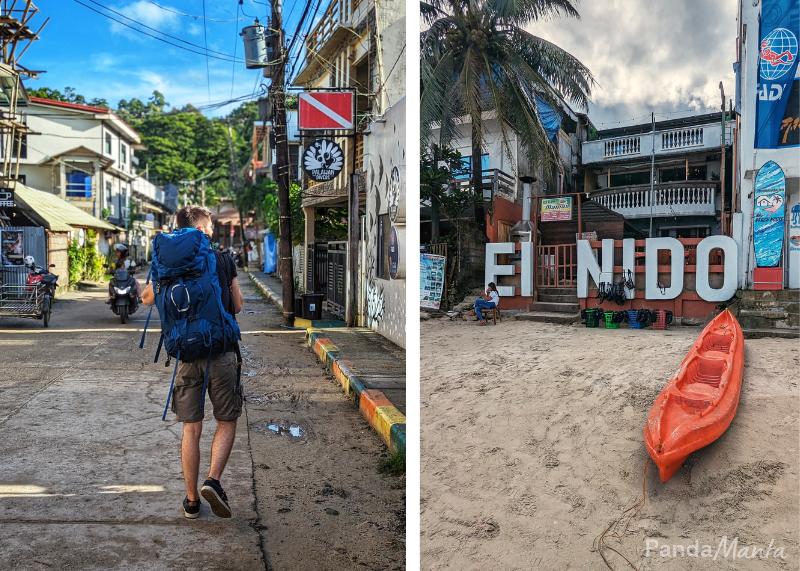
pixel 702 382
pixel 717 342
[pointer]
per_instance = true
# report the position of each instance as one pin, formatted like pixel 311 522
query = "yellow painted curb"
pixel 385 417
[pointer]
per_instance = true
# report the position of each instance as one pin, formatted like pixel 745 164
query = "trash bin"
pixel 312 305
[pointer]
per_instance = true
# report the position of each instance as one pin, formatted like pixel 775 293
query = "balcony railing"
pixel 689 198
pixel 495 182
pixel 622 147
pixel 695 137
pixel 682 138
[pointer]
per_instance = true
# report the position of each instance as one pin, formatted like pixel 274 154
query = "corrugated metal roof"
pixel 53 212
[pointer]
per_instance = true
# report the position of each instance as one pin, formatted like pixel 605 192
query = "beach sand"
pixel 532 445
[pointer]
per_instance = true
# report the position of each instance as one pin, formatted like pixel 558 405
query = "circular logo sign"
pixel 778 51
pixel 323 160
pixel 394 194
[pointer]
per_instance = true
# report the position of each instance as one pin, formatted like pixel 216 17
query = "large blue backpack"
pixel 194 325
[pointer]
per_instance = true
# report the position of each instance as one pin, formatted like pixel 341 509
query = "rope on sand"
pixel 618 528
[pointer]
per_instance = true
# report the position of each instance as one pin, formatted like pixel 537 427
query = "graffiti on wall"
pixel 375 304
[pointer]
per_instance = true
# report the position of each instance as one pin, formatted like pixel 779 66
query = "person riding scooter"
pixel 122 262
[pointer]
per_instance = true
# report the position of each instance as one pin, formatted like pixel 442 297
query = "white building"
pixel 774 82
pixel 82 153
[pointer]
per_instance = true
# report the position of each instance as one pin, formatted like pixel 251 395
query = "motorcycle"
pixel 41 286
pixel 125 300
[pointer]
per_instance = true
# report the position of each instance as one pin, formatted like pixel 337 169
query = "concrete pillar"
pixel 310 214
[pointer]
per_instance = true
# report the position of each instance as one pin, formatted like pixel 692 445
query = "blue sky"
pixel 100 58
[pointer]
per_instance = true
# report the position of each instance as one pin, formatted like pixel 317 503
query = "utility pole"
pixel 652 169
pixel 722 224
pixel 282 163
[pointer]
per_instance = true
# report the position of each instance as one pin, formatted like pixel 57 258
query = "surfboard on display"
pixel 768 216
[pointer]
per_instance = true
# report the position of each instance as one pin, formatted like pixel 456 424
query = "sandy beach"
pixel 532 445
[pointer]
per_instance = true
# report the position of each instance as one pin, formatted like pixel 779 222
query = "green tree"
pixel 477 57
pixel 438 166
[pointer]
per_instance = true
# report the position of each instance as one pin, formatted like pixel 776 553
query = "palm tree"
pixel 478 61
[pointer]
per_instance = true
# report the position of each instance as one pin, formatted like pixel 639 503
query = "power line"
pixel 235 45
pixel 194 16
pixel 93 9
pixel 205 44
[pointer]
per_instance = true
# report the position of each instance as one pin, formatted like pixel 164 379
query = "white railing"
pixel 622 147
pixel 672 141
pixel 690 198
pixel 682 138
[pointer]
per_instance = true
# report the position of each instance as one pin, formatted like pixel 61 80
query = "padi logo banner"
pixel 778 100
pixel 323 160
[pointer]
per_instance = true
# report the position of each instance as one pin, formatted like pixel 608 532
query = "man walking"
pixel 224 388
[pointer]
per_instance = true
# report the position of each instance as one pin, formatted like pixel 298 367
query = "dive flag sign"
pixel 328 110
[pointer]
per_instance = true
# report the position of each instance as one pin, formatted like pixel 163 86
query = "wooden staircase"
pixel 555 305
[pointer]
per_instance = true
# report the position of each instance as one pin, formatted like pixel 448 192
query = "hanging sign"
pixel 778 85
pixel 7 198
pixel 770 195
pixel 326 110
pixel 323 160
pixel 556 209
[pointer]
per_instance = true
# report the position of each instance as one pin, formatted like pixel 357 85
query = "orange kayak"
pixel 699 402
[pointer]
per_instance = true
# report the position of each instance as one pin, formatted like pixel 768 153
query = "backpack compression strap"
pixel 171 386
pixel 149 313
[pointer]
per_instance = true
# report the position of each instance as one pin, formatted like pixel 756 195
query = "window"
pixel 123 154
pixel 79 184
pixel 108 144
pixel 629 178
pixel 466 166
pixel 384 232
pixel 110 199
pixel 20 145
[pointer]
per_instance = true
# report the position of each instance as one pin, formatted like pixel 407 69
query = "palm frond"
pixel 522 12
pixel 562 71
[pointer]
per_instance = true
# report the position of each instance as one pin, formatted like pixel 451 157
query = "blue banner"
pixel 778 96
pixel 768 215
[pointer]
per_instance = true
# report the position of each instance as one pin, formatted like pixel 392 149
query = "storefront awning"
pixel 53 212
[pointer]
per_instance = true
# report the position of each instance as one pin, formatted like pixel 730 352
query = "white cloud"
pixel 668 57
pixel 145 13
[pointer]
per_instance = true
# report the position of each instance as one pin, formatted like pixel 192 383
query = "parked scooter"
pixel 42 284
pixel 125 301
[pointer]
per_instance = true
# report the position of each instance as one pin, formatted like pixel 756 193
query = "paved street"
pixel 90 475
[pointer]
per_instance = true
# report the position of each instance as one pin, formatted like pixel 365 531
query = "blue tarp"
pixel 270 253
pixel 550 118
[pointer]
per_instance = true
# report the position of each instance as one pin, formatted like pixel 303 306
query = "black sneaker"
pixel 191 510
pixel 216 498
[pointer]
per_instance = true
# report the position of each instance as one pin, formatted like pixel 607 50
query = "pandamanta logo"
pixel 726 548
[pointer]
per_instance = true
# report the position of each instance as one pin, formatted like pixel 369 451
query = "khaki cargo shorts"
pixel 224 388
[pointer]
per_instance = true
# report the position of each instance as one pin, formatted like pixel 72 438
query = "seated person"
pixel 489 300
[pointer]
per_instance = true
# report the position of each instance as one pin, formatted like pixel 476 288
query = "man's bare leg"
pixel 190 457
pixel 221 447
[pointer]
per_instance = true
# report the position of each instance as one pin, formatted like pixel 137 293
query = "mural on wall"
pixel 385 298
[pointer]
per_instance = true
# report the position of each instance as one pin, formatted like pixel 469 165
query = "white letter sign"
pixel 493 269
pixel 652 289
pixel 702 285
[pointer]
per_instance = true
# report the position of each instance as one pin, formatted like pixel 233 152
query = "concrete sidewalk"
pixel 370 368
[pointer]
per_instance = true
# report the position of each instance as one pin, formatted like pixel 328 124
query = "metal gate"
pixel 557 266
pixel 317 268
pixel 335 290
pixel 33 242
